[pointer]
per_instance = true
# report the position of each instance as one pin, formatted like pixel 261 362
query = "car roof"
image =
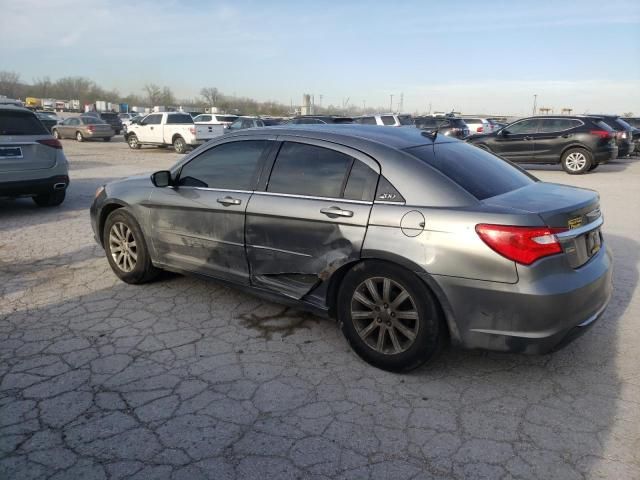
pixel 351 134
pixel 9 106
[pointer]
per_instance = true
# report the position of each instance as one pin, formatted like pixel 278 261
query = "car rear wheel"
pixel 389 317
pixel 126 248
pixel 79 137
pixel 56 134
pixel 132 141
pixel 52 199
pixel 576 161
pixel 594 166
pixel 179 145
pixel 107 139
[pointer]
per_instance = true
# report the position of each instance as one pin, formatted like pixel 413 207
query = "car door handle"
pixel 150 128
pixel 226 201
pixel 334 212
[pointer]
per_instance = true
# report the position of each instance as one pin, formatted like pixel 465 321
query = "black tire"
pixel 429 327
pixel 107 139
pixel 179 145
pixel 576 161
pixel 52 199
pixel 132 141
pixel 117 132
pixel 594 166
pixel 79 137
pixel 142 270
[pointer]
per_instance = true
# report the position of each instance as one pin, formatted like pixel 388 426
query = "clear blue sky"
pixel 472 56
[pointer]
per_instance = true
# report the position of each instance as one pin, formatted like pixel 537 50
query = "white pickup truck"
pixel 170 128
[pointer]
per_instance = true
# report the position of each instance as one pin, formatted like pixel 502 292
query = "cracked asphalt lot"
pixel 186 379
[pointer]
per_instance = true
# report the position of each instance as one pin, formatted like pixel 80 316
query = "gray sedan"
pixel 409 239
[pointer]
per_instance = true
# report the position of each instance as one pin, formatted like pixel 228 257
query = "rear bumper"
pixel 606 154
pixel 41 186
pixel 542 312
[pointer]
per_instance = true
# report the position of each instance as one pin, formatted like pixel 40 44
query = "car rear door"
pixel 21 134
pixel 198 225
pixel 309 216
pixel 552 135
pixel 515 141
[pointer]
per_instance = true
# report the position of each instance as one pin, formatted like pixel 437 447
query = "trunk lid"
pixel 560 206
pixel 20 153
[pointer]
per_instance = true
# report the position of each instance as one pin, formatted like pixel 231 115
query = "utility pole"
pixel 320 101
pixel 535 102
pixel 401 104
pixel 391 104
pixel 364 105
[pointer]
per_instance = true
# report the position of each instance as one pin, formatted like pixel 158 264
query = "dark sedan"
pixel 408 239
pixel 624 133
pixel 579 143
pixel 49 120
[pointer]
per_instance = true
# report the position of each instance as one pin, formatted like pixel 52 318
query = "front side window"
pixel 524 126
pixel 231 166
pixel 302 169
pixel 388 120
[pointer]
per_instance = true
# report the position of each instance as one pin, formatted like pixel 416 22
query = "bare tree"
pixel 210 95
pixel 627 114
pixel 167 97
pixel 42 87
pixel 154 94
pixel 10 84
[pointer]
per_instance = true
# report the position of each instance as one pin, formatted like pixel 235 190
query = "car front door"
pixel 552 135
pixel 198 224
pixel 515 141
pixel 310 217
pixel 68 128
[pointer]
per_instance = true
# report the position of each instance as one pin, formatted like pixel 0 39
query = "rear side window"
pixel 388 120
pixel 20 123
pixel 362 182
pixel 309 170
pixel 366 121
pixel 480 173
pixel 548 125
pixel 231 166
pixel 178 118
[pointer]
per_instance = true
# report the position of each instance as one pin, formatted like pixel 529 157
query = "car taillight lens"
pixel 91 128
pixel 601 133
pixel 480 129
pixel 51 142
pixel 523 245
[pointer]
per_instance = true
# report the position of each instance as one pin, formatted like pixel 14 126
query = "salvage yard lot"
pixel 184 378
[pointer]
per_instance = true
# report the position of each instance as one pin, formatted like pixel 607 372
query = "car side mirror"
pixel 161 179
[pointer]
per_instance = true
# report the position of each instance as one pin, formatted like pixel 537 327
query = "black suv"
pixel 450 126
pixel 579 143
pixel 625 135
pixel 319 119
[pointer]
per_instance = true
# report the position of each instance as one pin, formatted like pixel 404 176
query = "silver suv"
pixel 32 162
pixel 408 239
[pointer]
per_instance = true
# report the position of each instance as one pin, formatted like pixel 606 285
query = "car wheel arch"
pixel 105 211
pixel 573 145
pixel 422 275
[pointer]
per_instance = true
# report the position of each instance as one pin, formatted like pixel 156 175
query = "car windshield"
pixel 480 173
pixel 20 123
pixel 405 119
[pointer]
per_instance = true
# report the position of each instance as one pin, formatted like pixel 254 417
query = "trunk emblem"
pixel 574 222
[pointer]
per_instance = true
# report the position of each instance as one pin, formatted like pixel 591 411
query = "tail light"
pixel 605 135
pixel 523 245
pixel 51 142
pixel 192 130
pixel 480 129
pixel 91 128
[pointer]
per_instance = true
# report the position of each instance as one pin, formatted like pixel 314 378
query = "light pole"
pixel 535 101
pixel 391 104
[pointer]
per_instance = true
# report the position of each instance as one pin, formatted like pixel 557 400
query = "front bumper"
pixel 548 307
pixel 40 186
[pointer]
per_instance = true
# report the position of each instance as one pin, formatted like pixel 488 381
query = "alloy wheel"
pixel 123 247
pixel 576 161
pixel 385 315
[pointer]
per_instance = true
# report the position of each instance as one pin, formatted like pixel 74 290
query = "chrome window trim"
pixel 309 197
pixel 383 202
pixel 212 189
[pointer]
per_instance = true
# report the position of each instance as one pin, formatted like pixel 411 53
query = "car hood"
pixel 129 187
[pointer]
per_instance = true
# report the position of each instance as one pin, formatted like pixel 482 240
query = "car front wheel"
pixel 576 161
pixel 126 248
pixel 389 317
pixel 132 141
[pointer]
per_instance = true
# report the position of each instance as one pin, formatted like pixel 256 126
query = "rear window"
pixel 179 118
pixel 624 124
pixel 108 116
pixel 601 124
pixel 458 123
pixel 472 120
pixel 480 173
pixel 20 123
pixel 92 121
pixel 224 118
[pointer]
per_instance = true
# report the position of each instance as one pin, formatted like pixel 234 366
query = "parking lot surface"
pixel 187 379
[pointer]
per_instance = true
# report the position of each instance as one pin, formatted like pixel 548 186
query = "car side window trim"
pixel 563 130
pixel 312 197
pixel 522 121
